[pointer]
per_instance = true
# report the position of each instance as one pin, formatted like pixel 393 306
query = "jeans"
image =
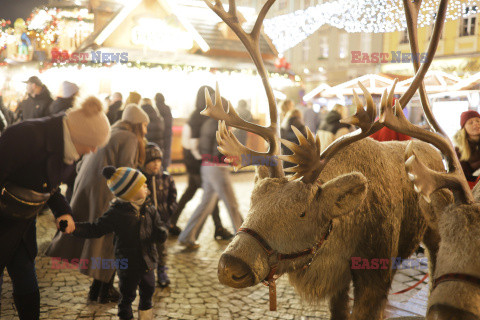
pixel 216 185
pixel 129 281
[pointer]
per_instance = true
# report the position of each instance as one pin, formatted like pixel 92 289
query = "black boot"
pixel 28 305
pixel 94 290
pixel 108 293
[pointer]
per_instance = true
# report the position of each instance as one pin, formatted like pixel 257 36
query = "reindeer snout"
pixel 234 272
pixel 445 312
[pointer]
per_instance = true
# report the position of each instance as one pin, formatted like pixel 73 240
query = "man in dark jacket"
pixel 114 110
pixel 38 155
pixel 156 127
pixel 166 114
pixel 38 100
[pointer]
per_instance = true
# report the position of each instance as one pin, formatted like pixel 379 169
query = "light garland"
pixel 368 16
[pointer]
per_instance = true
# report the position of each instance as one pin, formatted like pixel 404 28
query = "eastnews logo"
pixel 86 57
pixel 396 263
pixel 94 263
pixel 385 57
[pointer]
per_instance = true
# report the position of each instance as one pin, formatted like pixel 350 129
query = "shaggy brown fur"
pixel 376 214
pixel 459 227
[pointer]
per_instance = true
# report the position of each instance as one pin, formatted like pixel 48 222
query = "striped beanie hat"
pixel 124 182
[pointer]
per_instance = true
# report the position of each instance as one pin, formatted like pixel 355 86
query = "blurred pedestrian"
pixel 137 228
pixel 115 109
pixel 91 198
pixel 193 161
pixel 216 184
pixel 244 113
pixel 292 118
pixel 65 99
pixel 166 114
pixel 37 102
pixel 164 197
pixel 467 145
pixel 7 113
pixel 310 117
pixel 36 157
pixel 156 127
pixel 331 129
pixel 133 97
pixel 285 107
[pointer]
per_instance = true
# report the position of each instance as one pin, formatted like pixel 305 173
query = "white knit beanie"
pixel 67 89
pixel 134 114
pixel 88 124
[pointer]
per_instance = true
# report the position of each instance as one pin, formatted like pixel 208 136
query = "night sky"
pixel 13 9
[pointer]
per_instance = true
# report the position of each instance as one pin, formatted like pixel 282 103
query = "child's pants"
pixel 129 281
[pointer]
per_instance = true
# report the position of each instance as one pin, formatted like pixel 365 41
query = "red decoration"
pixel 281 63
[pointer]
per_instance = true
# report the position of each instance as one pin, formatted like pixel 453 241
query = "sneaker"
pixel 162 277
pixel 174 231
pixel 189 245
pixel 222 234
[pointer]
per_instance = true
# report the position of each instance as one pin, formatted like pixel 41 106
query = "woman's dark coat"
pixel 32 155
pixel 61 105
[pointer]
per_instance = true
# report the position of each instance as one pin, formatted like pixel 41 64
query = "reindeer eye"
pixel 302 214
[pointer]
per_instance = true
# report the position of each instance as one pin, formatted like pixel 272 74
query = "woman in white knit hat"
pixel 37 155
pixel 91 197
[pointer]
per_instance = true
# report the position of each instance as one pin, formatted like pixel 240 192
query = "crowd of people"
pixel 121 203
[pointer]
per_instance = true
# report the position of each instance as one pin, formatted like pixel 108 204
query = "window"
pixel 404 36
pixel 467 25
pixel 343 51
pixel 306 50
pixel 323 47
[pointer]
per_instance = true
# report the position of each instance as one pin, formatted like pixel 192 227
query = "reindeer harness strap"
pixel 456 277
pixel 274 257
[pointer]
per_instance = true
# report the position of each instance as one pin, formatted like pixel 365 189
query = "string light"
pixel 368 16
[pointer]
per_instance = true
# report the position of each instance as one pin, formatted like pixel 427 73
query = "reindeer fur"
pixel 376 214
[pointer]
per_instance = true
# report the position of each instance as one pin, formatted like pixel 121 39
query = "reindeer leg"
pixel 371 295
pixel 339 308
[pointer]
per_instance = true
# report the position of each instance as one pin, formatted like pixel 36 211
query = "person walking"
pixel 66 98
pixel 138 228
pixel 166 114
pixel 292 118
pixel 37 102
pixel 156 127
pixel 331 129
pixel 193 161
pixel 216 184
pixel 115 109
pixel 244 113
pixel 91 197
pixel 37 155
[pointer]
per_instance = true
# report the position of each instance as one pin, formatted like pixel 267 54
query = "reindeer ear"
pixel 343 194
pixel 261 172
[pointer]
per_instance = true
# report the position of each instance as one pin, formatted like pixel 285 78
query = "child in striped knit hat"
pixel 137 227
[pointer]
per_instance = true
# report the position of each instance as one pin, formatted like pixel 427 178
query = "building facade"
pixel 458 51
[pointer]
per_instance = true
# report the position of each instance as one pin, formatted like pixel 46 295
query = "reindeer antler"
pixel 306 155
pixel 427 181
pixel 229 145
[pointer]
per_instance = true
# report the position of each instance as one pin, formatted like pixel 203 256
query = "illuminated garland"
pixel 163 67
pixel 369 16
pixel 5 28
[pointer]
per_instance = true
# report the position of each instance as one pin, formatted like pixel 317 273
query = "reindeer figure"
pixel 351 200
pixel 456 280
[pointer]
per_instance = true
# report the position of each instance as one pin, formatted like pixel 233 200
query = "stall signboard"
pixel 157 34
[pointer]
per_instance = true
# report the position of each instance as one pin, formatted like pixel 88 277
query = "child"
pixel 164 195
pixel 137 228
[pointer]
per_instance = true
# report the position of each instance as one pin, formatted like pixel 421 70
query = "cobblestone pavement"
pixel 195 292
